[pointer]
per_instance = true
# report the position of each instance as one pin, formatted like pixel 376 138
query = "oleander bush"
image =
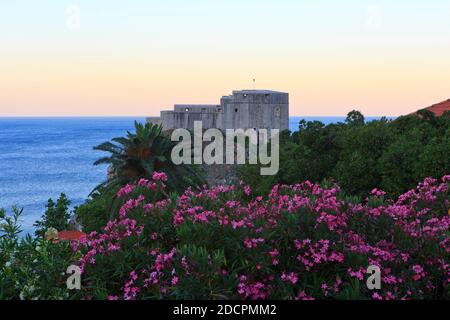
pixel 32 267
pixel 302 241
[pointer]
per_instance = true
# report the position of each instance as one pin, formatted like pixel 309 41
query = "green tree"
pixel 399 162
pixel 360 148
pixel 434 160
pixel 56 216
pixel 317 151
pixel 355 118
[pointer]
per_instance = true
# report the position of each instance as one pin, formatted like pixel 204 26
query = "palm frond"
pixel 129 162
pixel 104 160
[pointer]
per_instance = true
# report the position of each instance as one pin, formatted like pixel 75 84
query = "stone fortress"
pixel 245 109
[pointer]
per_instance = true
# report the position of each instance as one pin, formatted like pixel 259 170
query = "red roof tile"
pixel 439 108
pixel 71 235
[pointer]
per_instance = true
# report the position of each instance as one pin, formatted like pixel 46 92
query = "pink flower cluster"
pixel 300 242
pixel 313 254
pixel 159 176
pixel 254 291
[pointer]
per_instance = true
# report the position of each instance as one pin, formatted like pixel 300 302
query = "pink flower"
pixel 291 277
pixel 303 296
pixel 417 269
pixel 125 191
pixel 113 247
pixel 274 253
pixel 252 243
pixel 154 236
pixel 159 176
pixel 419 273
pixel 378 193
pixel 237 224
pixel 376 296
pixel 359 274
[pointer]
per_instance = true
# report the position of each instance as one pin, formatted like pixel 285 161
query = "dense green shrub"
pixel 31 267
pixel 392 155
pixel 97 210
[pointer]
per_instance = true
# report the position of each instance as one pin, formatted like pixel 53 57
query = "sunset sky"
pixel 132 57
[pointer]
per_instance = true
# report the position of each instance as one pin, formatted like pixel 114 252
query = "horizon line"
pixel 148 116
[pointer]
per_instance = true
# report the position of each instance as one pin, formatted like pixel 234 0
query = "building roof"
pixel 71 235
pixel 258 91
pixel 439 108
pixel 195 105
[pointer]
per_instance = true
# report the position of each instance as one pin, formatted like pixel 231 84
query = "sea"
pixel 40 158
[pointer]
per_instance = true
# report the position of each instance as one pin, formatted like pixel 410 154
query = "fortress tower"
pixel 245 109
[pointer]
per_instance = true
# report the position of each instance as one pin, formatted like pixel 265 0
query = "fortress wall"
pixel 196 107
pixel 154 120
pixel 246 109
pixel 167 120
pixel 256 109
pixel 174 120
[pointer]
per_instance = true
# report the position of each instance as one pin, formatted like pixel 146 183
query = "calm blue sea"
pixel 42 157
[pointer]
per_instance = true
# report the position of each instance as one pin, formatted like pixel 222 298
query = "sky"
pixel 137 57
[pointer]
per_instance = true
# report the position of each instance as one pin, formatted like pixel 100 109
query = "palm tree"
pixel 139 154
